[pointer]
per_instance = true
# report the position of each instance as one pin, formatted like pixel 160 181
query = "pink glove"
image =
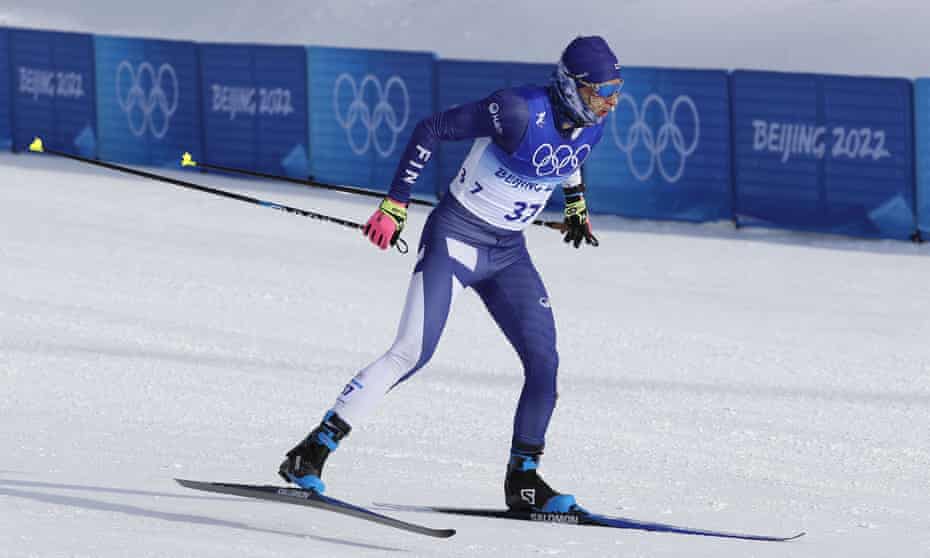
pixel 384 226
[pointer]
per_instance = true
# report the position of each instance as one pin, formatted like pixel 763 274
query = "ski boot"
pixel 525 490
pixel 304 463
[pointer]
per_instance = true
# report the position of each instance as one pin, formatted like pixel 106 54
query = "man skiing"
pixel 527 141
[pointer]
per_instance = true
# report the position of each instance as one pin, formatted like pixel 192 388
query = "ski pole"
pixel 188 161
pixel 37 146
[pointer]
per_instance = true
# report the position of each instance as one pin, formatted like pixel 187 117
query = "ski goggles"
pixel 604 89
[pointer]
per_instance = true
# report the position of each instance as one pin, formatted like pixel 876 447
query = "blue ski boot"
pixel 525 490
pixel 304 463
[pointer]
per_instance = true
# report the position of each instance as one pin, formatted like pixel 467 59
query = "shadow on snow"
pixel 91 504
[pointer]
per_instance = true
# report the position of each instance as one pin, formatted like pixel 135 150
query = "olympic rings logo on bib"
pixel 561 160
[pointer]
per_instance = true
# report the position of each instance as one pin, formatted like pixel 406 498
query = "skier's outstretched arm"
pixel 502 116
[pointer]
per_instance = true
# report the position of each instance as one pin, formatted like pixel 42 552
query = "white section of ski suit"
pixel 365 391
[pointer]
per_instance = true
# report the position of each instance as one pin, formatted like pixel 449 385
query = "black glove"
pixel 577 225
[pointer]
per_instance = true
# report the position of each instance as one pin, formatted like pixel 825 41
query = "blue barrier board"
pixel 148 100
pixel 666 148
pixel 364 105
pixel 53 90
pixel 824 153
pixel 922 119
pixel 6 131
pixel 254 101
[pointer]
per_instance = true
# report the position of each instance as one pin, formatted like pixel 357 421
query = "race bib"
pixel 498 195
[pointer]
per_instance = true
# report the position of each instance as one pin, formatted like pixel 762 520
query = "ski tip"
pixel 189 483
pixel 187 160
pixel 37 146
pixel 444 533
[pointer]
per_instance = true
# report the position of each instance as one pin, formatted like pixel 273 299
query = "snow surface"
pixel 743 380
pixel 859 37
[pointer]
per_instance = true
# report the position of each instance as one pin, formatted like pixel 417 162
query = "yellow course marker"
pixel 37 146
pixel 187 160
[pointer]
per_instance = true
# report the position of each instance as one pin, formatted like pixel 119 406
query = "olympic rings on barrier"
pixel 157 98
pixel 668 135
pixel 371 119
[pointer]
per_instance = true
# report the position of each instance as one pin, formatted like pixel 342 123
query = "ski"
pixel 300 497
pixel 585 518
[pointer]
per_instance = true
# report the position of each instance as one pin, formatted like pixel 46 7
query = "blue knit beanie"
pixel 590 59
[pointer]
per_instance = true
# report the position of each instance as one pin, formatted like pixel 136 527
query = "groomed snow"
pixel 744 380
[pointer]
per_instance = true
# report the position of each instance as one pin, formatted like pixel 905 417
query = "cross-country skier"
pixel 527 141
